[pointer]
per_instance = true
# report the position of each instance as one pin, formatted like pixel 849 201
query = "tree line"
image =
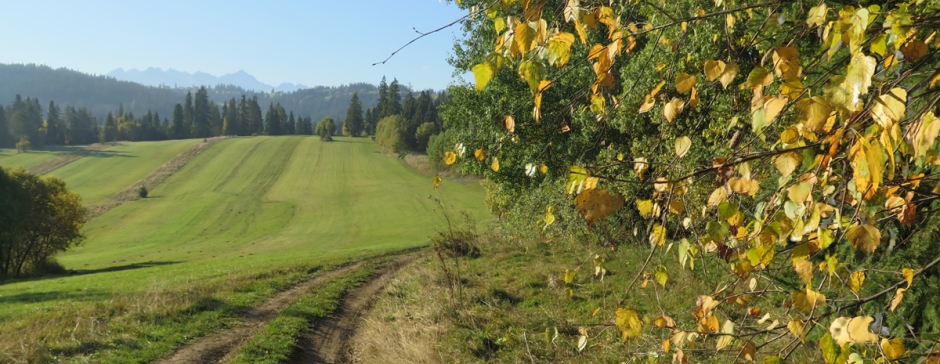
pixel 22 123
pixel 399 125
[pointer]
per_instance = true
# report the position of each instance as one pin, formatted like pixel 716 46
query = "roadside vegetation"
pixel 767 168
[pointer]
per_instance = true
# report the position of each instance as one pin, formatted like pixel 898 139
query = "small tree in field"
pixel 325 129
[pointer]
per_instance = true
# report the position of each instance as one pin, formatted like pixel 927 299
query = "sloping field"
pixel 244 209
pixel 99 176
pixel 9 157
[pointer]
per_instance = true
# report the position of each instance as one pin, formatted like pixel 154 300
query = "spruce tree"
pixel 54 127
pixel 383 107
pixel 255 123
pixel 272 124
pixel 188 115
pixel 179 125
pixel 6 140
pixel 109 131
pixel 200 126
pixel 282 117
pixel 291 125
pixel 394 98
pixel 230 125
pixel 353 124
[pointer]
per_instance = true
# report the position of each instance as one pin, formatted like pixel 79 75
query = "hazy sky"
pixel 313 42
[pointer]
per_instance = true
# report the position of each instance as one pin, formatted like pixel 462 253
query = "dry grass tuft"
pixel 402 326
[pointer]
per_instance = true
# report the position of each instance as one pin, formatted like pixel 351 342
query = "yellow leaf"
pixel 693 100
pixel 858 79
pixel 744 186
pixel 724 340
pixel 640 165
pixel 570 275
pixel 436 181
pixel 559 49
pixel 713 69
pixel 864 237
pixel 805 270
pixel 788 162
pixel 495 165
pixel 845 330
pixel 684 82
pixel 629 323
pixel 595 204
pixel 731 71
pixel 645 208
pixel 664 321
pixel 543 168
pixel 813 112
pixel 898 296
pixel 772 108
pixel 729 20
pixel 450 158
pixel 800 192
pixel 806 301
pixel 868 166
pixel 759 77
pixel 923 134
pixel 889 108
pixel 908 274
pixel 817 15
pixel 796 328
pixel 479 154
pixel 658 235
pixel 673 108
pixel 549 215
pixel 893 348
pixel 718 196
pixel 483 73
pixel 510 123
pixel 856 280
pixel 682 146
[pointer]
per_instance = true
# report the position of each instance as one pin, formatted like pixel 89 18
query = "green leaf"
pixel 529 71
pixel 717 231
pixel 483 73
pixel 726 210
pixel 829 348
pixel 576 177
pixel 661 276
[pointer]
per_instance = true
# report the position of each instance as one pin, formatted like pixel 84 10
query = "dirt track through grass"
pixel 215 348
pixel 329 340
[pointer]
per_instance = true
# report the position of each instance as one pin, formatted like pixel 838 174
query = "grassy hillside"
pixel 9 157
pixel 243 211
pixel 99 176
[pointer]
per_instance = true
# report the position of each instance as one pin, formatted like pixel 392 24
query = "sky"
pixel 312 42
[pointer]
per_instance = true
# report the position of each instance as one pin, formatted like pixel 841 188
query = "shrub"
pixel 424 133
pixel 390 133
pixel 142 192
pixel 23 145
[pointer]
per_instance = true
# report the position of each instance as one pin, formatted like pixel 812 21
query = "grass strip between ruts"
pixel 276 342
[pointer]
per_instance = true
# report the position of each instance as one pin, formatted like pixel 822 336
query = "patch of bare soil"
pixel 152 180
pixel 57 162
pixel 222 346
pixel 329 340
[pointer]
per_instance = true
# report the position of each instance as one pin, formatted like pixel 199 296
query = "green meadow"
pixel 99 176
pixel 242 210
pixel 10 158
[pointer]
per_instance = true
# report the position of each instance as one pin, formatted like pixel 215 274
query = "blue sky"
pixel 314 42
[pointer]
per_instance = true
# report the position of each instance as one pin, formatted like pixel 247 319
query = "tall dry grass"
pixel 405 325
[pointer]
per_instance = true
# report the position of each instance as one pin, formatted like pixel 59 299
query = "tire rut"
pixel 328 339
pixel 217 347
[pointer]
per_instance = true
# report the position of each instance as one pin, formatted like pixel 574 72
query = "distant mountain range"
pixel 158 77
pixel 103 94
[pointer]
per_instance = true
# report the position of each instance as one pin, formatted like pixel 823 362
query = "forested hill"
pixel 101 94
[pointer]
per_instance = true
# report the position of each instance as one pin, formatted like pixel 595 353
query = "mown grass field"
pixel 246 210
pixel 10 158
pixel 99 176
